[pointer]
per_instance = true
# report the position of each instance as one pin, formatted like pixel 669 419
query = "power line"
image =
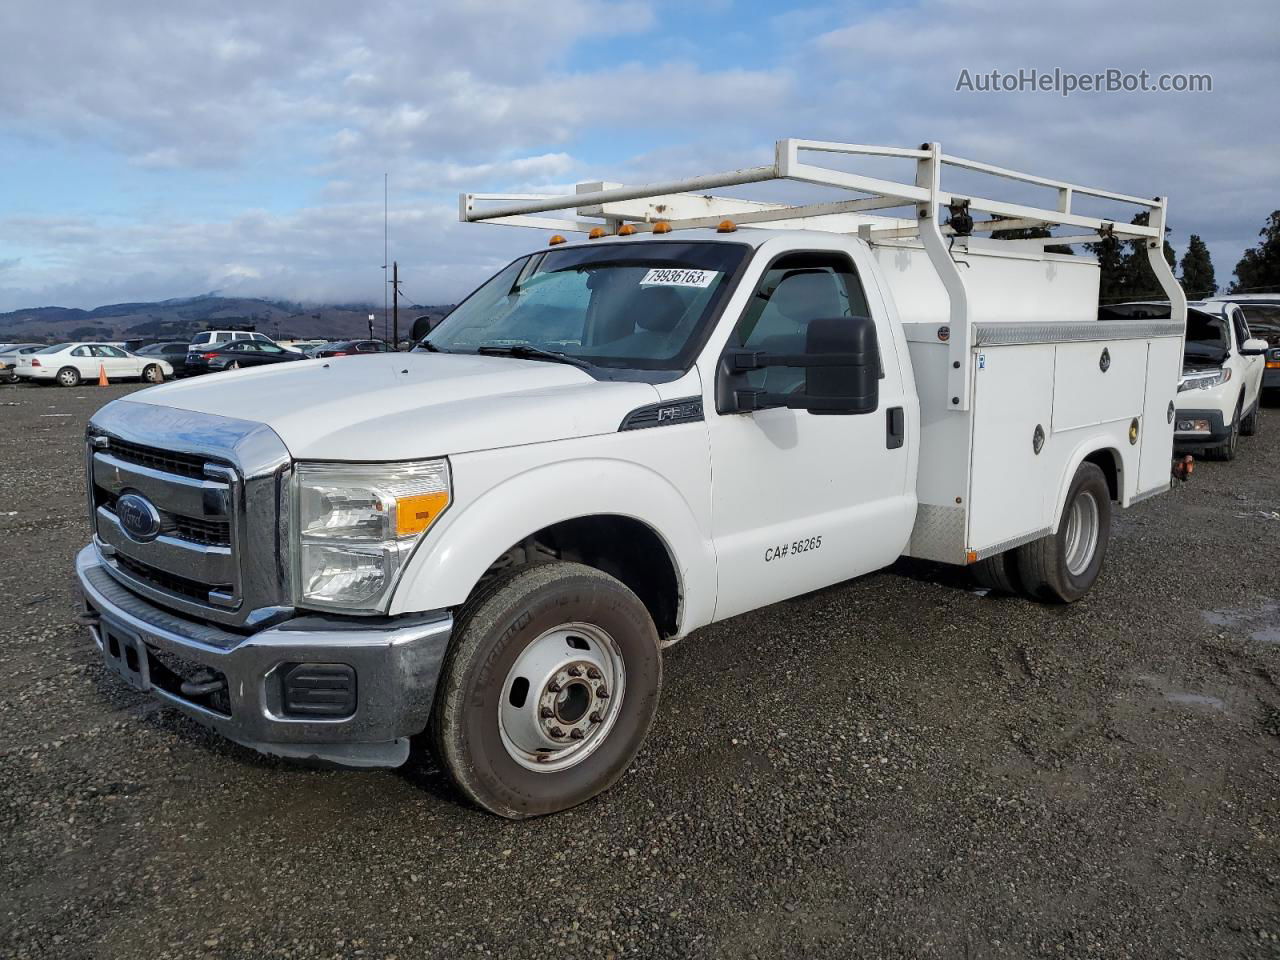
pixel 386 254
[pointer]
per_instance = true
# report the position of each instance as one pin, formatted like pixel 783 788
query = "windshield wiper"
pixel 526 351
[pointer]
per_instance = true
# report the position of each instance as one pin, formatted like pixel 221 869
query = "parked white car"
pixel 1221 385
pixel 69 363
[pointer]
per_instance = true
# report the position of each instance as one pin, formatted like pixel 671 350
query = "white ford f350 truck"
pixel 704 406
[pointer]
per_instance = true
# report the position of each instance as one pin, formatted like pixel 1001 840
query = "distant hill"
pixel 180 318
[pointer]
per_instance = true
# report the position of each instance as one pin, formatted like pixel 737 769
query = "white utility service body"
pixel 957 429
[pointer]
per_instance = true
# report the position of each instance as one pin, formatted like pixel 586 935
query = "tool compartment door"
pixel 1098 382
pixel 1164 364
pixel 1012 397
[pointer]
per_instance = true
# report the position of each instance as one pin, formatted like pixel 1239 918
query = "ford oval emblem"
pixel 138 516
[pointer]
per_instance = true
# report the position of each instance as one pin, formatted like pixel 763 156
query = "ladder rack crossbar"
pixel 877 194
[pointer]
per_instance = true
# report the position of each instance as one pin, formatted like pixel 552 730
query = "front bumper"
pixel 1187 433
pixel 394 663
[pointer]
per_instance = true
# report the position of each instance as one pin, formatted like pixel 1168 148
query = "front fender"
pixel 472 535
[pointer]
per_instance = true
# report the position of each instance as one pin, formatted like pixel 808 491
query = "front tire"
pixel 1064 565
pixel 68 377
pixel 1227 451
pixel 548 690
pixel 1251 424
pixel 152 374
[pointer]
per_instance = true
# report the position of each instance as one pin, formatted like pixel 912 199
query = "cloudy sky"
pixel 162 148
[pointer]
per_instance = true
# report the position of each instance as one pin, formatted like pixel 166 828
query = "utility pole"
pixel 395 305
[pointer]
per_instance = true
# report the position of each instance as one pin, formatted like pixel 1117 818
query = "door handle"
pixel 895 427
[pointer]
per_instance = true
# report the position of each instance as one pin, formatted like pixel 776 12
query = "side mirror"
pixel 1253 347
pixel 841 364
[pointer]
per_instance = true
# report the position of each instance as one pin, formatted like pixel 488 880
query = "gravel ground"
pixel 899 766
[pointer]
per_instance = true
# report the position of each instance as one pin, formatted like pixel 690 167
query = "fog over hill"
pixel 180 318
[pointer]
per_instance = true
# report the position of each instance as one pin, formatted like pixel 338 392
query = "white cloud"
pixel 515 96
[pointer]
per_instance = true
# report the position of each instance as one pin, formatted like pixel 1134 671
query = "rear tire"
pixel 509 698
pixel 233 365
pixel 1064 565
pixel 998 574
pixel 68 377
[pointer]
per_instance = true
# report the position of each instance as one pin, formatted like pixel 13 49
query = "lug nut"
pixel 554 686
pixel 593 673
pixel 575 734
pixel 546 713
pixel 602 693
pixel 575 671
pixel 556 732
pixel 595 716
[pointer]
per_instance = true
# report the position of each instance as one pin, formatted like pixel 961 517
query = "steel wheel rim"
pixel 67 379
pixel 551 715
pixel 1082 533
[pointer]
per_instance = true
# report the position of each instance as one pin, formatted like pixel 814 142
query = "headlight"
pixel 356 524
pixel 1204 379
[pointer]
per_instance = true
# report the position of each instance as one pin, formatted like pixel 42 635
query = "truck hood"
pixel 410 405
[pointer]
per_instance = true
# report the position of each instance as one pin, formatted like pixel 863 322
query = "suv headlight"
pixel 356 524
pixel 1204 380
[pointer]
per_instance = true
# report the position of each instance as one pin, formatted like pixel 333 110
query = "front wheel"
pixel 1251 424
pixel 549 687
pixel 1064 565
pixel 153 374
pixel 1228 449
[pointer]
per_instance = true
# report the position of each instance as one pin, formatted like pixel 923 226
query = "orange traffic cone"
pixel 102 375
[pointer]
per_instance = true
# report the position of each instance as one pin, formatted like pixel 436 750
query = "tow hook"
pixel 202 685
pixel 1183 467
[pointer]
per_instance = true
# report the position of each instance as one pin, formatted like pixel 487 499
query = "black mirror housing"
pixel 842 371
pixel 851 383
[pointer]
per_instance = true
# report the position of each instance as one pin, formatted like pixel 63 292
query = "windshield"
pixel 638 304
pixel 56 348
pixel 1206 337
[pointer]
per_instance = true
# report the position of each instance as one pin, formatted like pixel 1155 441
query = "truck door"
pixel 801 500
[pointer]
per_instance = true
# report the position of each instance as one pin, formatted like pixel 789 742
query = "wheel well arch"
pixel 1102 452
pixel 1109 461
pixel 625 548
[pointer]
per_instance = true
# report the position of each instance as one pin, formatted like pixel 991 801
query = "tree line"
pixel 1126 273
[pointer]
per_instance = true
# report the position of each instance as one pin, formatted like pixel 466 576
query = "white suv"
pixel 1221 386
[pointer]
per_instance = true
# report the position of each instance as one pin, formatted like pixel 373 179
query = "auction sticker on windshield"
pixel 672 277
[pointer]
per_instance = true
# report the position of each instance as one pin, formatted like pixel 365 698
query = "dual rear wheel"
pixel 1062 566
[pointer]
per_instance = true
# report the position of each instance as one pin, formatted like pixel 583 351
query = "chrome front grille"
pixel 217 546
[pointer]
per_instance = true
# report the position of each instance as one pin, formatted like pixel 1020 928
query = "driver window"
pixel 796 289
pixel 1242 328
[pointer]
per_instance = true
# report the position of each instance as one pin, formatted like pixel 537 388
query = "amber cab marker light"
pixel 555 240
pixel 596 233
pixel 726 226
pixel 662 227
pixel 626 230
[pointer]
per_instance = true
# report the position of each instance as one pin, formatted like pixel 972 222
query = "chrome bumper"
pixel 233 682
